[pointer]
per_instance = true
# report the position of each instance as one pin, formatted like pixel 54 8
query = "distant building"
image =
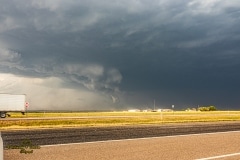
pixel 167 110
pixel 133 110
pixel 164 110
pixel 191 109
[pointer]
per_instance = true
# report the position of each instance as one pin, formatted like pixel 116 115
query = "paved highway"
pixel 217 146
pixel 75 135
pixel 90 137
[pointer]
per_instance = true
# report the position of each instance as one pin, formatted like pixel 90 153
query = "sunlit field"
pixel 89 119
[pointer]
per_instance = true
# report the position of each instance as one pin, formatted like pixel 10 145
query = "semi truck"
pixel 12 103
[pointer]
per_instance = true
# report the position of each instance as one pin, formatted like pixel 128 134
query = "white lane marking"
pixel 221 156
pixel 119 140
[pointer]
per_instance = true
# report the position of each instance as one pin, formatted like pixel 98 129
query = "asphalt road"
pixel 91 134
pixel 212 146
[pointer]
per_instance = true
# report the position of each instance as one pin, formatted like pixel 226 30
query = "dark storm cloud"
pixel 182 52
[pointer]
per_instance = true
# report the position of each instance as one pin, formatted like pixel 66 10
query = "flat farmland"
pixel 89 119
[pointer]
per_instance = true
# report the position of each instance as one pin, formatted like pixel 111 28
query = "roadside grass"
pixel 86 119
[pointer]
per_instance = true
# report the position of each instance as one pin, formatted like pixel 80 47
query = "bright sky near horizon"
pixel 117 54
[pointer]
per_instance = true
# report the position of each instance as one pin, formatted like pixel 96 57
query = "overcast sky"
pixel 119 54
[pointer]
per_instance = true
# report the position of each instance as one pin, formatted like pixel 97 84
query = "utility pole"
pixel 173 109
pixel 154 105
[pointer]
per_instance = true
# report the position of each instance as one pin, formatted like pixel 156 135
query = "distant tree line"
pixel 207 108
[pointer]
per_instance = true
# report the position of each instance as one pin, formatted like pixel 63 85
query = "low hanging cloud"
pixel 59 86
pixel 93 77
pixel 51 93
pixel 8 56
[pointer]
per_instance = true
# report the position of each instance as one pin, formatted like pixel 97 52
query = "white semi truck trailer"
pixel 12 103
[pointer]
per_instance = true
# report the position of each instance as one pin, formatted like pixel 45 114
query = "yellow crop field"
pixel 87 119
